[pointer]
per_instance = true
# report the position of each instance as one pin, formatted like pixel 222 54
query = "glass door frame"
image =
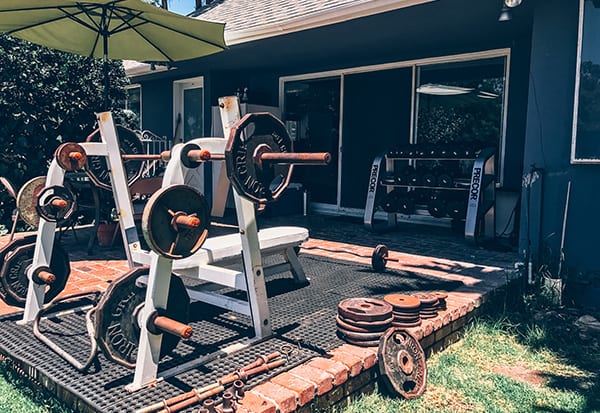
pixel 503 52
pixel 179 86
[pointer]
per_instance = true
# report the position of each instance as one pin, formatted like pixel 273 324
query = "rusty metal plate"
pixel 353 335
pixel 402 363
pixel 175 221
pixel 364 309
pixel 403 302
pixel 427 299
pixel 71 156
pixel 17 262
pixel 378 258
pixel 345 325
pixel 406 324
pixel 55 204
pixel 116 324
pixel 27 200
pixel 130 144
pixel 254 134
pixel 368 324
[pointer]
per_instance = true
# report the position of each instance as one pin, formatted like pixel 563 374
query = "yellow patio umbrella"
pixel 111 29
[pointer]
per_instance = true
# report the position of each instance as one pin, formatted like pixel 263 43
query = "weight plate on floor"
pixel 403 324
pixel 27 200
pixel 371 343
pixel 427 299
pixel 17 262
pixel 364 309
pixel 402 302
pixel 130 144
pixel 378 258
pixel 116 323
pixel 402 363
pixel 368 324
pixel 351 327
pixel 159 221
pixel 353 335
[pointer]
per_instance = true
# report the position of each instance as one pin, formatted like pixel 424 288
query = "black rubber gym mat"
pixel 303 320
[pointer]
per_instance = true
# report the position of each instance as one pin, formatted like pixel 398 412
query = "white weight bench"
pixel 208 263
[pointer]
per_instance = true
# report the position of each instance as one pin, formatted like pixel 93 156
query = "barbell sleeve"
pixel 168 325
pixel 296 158
pixel 45 277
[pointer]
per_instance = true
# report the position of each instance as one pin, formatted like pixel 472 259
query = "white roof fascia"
pixel 323 18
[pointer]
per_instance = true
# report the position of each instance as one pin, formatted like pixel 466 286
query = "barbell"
pixel 258 157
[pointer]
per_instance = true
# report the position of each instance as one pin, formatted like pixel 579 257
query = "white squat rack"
pixel 281 240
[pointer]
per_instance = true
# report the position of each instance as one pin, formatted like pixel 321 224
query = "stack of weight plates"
pixel 441 300
pixel 429 304
pixel 362 321
pixel 406 310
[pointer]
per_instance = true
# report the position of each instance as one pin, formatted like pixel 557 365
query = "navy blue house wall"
pixel 548 145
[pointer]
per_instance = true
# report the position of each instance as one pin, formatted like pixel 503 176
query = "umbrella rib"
pixel 145 20
pixel 66 15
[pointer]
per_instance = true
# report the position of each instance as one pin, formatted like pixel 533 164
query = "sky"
pixel 183 7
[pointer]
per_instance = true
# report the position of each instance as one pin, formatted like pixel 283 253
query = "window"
pixel 460 104
pixel 585 144
pixel 133 103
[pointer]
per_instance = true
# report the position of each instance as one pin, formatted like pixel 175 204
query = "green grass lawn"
pixel 539 363
pixel 509 364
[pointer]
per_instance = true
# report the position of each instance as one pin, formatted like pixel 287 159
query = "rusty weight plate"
pixel 27 200
pixel 403 302
pixel 162 234
pixel 368 324
pixel 17 262
pixel 353 335
pixel 344 325
pixel 364 309
pixel 427 299
pixel 402 363
pixel 71 156
pixel 116 324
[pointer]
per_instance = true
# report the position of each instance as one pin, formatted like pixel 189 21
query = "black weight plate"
pixel 9 249
pixel 162 235
pixel 402 363
pixel 131 144
pixel 116 326
pixel 364 309
pixel 258 182
pixel 15 282
pixel 50 213
pixel 378 257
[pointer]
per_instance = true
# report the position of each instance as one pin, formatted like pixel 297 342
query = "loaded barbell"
pixel 379 256
pixel 258 157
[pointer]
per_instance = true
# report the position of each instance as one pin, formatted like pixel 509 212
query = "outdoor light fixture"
pixel 506 11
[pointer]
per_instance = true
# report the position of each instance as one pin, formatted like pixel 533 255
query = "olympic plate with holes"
pixel 116 326
pixel 402 363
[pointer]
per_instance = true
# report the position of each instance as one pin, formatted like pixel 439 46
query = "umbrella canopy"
pixel 115 29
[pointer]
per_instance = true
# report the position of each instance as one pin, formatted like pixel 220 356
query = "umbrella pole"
pixel 105 72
